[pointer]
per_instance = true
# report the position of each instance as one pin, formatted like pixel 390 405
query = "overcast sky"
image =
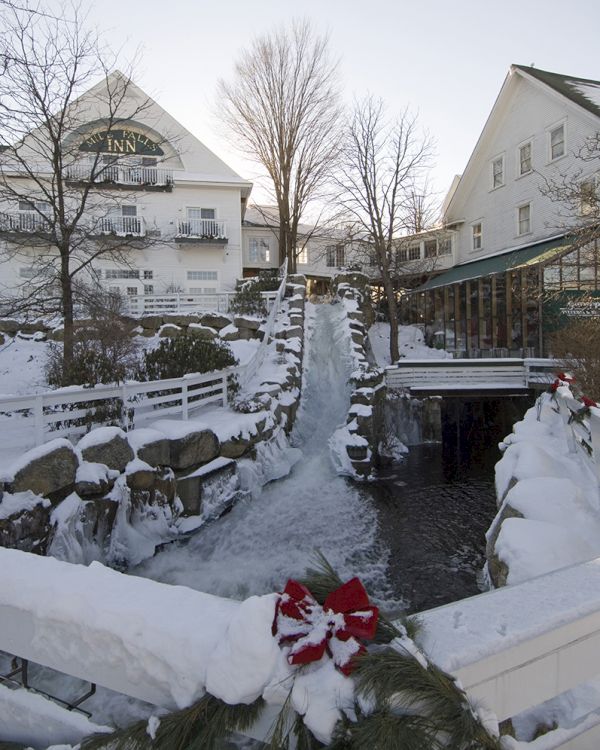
pixel 445 60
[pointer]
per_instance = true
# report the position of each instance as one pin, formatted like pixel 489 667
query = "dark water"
pixel 435 506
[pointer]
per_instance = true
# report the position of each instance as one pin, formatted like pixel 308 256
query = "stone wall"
pixel 114 489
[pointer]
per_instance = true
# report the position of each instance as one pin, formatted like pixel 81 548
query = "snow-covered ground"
pixel 411 344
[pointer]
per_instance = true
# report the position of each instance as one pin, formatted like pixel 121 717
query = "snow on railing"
pixel 582 426
pixel 120 174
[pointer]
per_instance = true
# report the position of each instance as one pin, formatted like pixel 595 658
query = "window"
pixel 525 158
pixel 148 288
pixel 202 276
pixel 302 254
pixel 132 291
pixel 414 252
pixel 201 213
pixel 128 210
pixel 258 250
pixel 477 234
pixel 557 142
pixel 403 254
pixel 445 246
pixel 498 172
pixel 430 248
pixel 340 256
pixel 41 206
pixel 203 290
pixel 524 219
pixel 121 273
pixel 27 273
pixel 148 274
pixel 330 256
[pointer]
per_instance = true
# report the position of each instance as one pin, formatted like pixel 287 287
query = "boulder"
pixel 27 529
pixel 214 320
pixel 209 490
pixel 230 333
pixel 151 446
pixel 183 321
pixel 7 325
pixel 48 471
pixel 236 447
pixel 34 327
pixel 171 331
pixel 93 479
pixel 202 332
pixel 106 445
pixel 58 334
pixel 294 332
pixel 153 322
pixel 194 448
pixel 241 321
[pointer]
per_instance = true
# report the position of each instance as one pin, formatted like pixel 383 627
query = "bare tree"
pixel 381 164
pixel 282 109
pixel 52 168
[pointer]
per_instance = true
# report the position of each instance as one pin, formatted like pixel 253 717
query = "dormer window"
pixel 497 172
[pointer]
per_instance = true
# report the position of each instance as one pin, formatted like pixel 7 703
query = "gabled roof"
pixel 582 91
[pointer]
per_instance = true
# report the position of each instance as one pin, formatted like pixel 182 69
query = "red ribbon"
pixel 334 628
pixel 588 401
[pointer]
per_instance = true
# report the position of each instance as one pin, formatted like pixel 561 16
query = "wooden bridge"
pixel 427 377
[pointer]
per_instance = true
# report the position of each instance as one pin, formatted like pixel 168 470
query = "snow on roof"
pixel 582 91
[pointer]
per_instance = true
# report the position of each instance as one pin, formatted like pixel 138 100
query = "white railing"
pixel 150 304
pixel 582 429
pixel 201 229
pixel 123 226
pixel 71 411
pixel 120 175
pixel 462 374
pixel 23 221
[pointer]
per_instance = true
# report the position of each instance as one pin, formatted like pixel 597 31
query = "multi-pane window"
pixel 148 288
pixel 330 256
pixel 444 246
pixel 201 213
pixel 414 252
pixel 557 142
pixel 340 255
pixel 477 235
pixel 403 254
pixel 525 158
pixel 202 276
pixel 498 172
pixel 430 248
pixel 258 250
pixel 302 254
pixel 41 206
pixel 122 273
pixel 524 218
pixel 148 274
pixel 132 291
pixel 128 210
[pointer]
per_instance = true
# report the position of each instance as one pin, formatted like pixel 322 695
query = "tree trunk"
pixel 67 310
pixel 393 313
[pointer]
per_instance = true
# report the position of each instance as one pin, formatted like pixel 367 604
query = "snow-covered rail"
pixel 582 427
pixel 469 374
pixel 181 303
pixel 511 648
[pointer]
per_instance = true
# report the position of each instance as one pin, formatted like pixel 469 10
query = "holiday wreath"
pixel 349 680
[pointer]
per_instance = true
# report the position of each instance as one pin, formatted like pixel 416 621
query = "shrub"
pixel 248 301
pixel 577 347
pixel 174 358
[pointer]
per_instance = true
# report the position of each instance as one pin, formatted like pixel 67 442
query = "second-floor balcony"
pixel 209 231
pixel 27 222
pixel 122 226
pixel 122 176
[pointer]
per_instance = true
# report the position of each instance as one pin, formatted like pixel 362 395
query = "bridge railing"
pixel 582 427
pixel 449 374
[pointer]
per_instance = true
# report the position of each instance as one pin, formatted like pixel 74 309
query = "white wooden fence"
pixel 155 304
pixel 469 374
pixel 69 412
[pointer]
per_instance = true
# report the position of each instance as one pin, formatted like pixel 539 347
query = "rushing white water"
pixel 262 542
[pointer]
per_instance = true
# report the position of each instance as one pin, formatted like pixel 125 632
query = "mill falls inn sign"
pixel 121 142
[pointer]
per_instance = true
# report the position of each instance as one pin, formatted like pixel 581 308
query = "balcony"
pixel 122 176
pixel 203 231
pixel 24 222
pixel 122 226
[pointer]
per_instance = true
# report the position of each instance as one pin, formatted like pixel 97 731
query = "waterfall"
pixel 263 541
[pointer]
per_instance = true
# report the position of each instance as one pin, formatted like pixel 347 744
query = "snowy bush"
pixel 174 358
pixel 577 347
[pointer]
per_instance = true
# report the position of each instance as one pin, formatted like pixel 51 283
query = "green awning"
pixel 541 252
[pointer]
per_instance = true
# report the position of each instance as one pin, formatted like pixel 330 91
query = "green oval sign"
pixel 120 143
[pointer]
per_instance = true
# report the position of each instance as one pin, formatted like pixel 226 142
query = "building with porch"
pixel 516 252
pixel 163 214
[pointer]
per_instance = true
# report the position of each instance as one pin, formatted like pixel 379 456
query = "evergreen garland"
pixel 415 705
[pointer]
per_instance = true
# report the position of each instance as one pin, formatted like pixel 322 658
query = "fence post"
pixel 184 399
pixel 124 414
pixel 38 416
pixel 224 387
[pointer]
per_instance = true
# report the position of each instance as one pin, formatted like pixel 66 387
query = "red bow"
pixel 334 628
pixel 565 378
pixel 588 401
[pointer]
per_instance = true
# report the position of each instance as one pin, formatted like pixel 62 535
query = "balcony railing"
pixel 123 226
pixel 117 174
pixel 23 221
pixel 201 230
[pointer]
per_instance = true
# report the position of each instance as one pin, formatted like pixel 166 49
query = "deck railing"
pixel 23 221
pixel 201 229
pixel 123 226
pixel 474 374
pixel 120 175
